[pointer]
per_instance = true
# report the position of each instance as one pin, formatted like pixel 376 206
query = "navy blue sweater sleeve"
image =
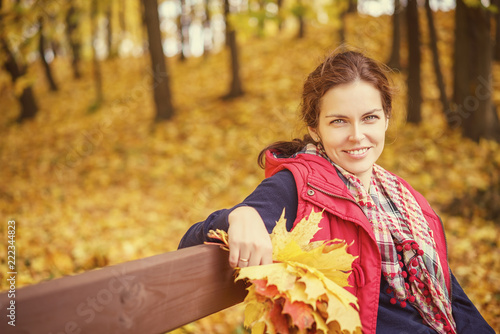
pixel 467 317
pixel 271 196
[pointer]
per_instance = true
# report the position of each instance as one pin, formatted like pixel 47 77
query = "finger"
pixel 254 259
pixel 234 255
pixel 257 255
pixel 244 260
pixel 267 258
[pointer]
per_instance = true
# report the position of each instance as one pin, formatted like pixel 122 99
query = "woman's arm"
pixel 273 194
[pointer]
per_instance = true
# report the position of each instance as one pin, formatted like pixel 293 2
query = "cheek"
pixel 333 137
pixel 379 135
pixel 333 143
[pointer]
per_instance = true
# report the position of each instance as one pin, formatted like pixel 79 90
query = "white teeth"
pixel 357 152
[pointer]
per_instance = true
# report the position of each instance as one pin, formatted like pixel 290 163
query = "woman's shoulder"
pixel 283 179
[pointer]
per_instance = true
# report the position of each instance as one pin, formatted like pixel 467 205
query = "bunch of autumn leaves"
pixel 302 291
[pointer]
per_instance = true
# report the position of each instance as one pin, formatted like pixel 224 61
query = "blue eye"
pixel 371 117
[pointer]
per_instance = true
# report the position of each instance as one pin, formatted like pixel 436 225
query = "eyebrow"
pixel 365 114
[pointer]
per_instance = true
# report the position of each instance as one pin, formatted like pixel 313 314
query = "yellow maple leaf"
pixel 331 258
pixel 304 275
pixel 275 273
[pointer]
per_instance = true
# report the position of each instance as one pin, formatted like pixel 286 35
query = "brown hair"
pixel 337 69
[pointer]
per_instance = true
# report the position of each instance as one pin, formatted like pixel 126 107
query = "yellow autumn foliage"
pixel 307 280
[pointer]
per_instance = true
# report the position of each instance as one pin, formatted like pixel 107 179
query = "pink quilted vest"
pixel 320 188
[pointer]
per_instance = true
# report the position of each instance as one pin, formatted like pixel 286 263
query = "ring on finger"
pixel 243 260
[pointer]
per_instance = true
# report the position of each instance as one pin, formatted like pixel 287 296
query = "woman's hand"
pixel 249 241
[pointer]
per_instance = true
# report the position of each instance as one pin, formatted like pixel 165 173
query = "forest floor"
pixel 90 188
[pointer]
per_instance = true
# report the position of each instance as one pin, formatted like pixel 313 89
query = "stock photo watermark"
pixel 11 272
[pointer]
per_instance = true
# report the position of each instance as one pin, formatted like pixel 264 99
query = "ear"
pixel 386 123
pixel 314 134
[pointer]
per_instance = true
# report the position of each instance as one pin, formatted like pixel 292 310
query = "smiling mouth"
pixel 360 151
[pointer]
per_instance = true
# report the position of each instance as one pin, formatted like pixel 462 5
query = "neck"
pixel 365 181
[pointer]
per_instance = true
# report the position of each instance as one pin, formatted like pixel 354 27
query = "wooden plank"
pixel 151 295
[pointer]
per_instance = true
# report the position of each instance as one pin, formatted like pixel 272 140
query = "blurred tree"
pixel 261 18
pixel 73 36
pixel 497 31
pixel 259 11
pixel 435 57
pixel 54 44
pixel 473 110
pixel 236 88
pixel 161 83
pixel 414 89
pixel 280 14
pixel 41 52
pixel 121 16
pixel 299 11
pixel 353 6
pixel 183 29
pixel 207 27
pixel 395 59
pixel 342 18
pixel 15 66
pixel 112 50
pixel 96 67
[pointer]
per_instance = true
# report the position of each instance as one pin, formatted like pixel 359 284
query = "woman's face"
pixel 352 127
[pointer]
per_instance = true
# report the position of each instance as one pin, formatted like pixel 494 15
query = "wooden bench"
pixel 151 295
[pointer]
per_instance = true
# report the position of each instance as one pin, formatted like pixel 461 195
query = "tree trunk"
pixel 261 19
pixel 473 111
pixel 395 59
pixel 54 45
pixel 435 57
pixel 497 31
pixel 461 62
pixel 226 20
pixel 342 29
pixel 414 90
pixel 41 51
pixel 342 19
pixel 483 120
pixel 207 43
pixel 73 39
pixel 353 6
pixel 161 84
pixel 27 100
pixel 121 16
pixel 96 67
pixel 280 14
pixel 300 17
pixel 112 52
pixel 236 88
pixel 181 22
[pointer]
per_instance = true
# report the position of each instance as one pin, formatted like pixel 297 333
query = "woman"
pixel 401 275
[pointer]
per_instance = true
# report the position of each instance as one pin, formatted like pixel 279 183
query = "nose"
pixel 357 133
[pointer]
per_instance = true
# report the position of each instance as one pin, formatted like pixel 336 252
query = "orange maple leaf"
pixel 300 314
pixel 277 318
pixel 261 287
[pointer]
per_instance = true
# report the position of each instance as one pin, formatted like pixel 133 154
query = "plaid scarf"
pixel 410 262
